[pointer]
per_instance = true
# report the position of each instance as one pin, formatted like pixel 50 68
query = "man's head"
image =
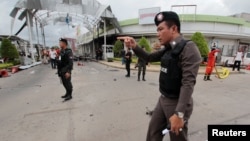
pixel 63 43
pixel 168 26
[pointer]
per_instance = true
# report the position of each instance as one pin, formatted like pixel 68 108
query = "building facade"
pixel 227 33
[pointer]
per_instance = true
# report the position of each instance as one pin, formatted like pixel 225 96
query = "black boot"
pixel 138 78
pixel 205 78
pixel 208 78
pixel 66 95
pixel 143 78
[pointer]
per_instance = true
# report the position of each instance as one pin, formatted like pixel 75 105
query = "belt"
pixel 173 98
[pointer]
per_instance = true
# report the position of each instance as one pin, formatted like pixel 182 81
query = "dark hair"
pixel 63 40
pixel 171 22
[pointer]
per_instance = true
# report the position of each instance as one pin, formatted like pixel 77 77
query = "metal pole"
pixel 39 51
pixel 93 48
pixel 30 37
pixel 37 33
pixel 195 13
pixel 42 30
pixel 105 47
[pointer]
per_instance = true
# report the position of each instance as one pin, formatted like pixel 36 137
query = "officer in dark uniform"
pixel 128 57
pixel 141 67
pixel 180 61
pixel 65 66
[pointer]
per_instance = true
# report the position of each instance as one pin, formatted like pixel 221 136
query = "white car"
pixel 229 61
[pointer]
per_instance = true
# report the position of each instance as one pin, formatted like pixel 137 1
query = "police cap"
pixel 167 16
pixel 63 40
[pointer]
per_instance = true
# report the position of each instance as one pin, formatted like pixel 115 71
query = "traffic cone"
pixel 4 73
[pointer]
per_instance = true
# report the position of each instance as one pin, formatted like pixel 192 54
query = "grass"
pixel 6 65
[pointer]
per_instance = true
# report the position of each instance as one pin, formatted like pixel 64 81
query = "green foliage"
pixel 200 41
pixel 8 50
pixel 145 43
pixel 117 48
pixel 15 62
pixel 5 65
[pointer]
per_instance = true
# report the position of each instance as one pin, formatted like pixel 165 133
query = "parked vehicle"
pixel 229 61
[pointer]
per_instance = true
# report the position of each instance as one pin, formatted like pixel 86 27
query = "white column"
pixel 30 36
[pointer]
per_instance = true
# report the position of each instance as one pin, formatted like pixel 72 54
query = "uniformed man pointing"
pixel 65 67
pixel 180 60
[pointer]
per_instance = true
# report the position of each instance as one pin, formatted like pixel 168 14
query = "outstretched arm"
pixel 149 57
pixel 152 57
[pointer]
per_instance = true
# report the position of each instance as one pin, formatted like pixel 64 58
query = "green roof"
pixel 198 18
pixel 129 22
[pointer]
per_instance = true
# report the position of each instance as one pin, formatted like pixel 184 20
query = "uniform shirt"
pixel 212 58
pixel 129 54
pixel 189 62
pixel 239 56
pixel 66 64
pixel 123 53
pixel 142 62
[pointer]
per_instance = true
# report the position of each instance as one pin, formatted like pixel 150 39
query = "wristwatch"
pixel 180 114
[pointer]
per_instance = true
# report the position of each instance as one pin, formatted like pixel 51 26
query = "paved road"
pixel 106 105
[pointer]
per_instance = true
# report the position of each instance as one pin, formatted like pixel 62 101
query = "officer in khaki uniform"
pixel 180 60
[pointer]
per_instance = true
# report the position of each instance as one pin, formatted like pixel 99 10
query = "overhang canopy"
pixel 89 11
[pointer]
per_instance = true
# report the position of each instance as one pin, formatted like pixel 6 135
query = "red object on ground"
pixel 14 69
pixel 80 64
pixel 248 67
pixel 4 73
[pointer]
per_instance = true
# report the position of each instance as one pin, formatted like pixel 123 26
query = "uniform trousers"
pixel 67 85
pixel 164 109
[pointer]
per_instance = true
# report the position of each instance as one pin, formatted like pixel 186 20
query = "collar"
pixel 176 41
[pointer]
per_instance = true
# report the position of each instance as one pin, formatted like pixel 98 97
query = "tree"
pixel 117 48
pixel 201 42
pixel 8 50
pixel 145 43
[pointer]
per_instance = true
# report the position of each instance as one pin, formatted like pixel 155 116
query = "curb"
pixel 150 70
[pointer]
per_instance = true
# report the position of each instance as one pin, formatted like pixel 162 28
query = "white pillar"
pixel 39 50
pixel 30 36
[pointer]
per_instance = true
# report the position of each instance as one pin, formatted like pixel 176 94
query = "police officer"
pixel 128 57
pixel 141 63
pixel 65 67
pixel 180 60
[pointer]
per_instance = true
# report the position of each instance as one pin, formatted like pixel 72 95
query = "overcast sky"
pixel 126 9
